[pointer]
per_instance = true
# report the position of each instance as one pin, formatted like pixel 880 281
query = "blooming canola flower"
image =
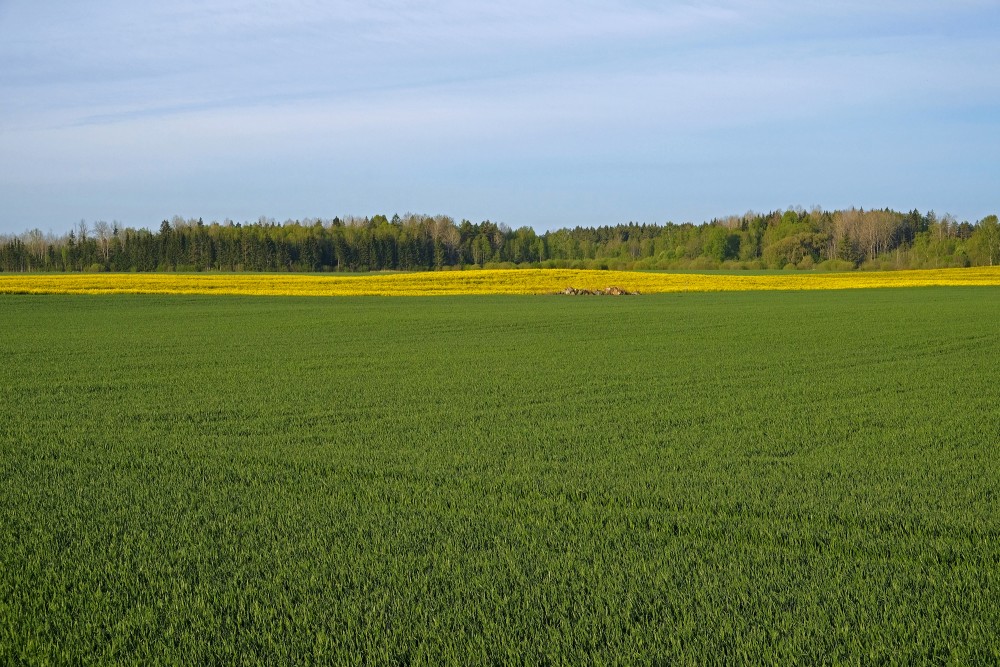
pixel 498 281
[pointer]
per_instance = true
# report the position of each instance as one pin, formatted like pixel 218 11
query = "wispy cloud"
pixel 160 90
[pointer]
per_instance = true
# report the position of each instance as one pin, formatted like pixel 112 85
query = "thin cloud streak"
pixel 515 93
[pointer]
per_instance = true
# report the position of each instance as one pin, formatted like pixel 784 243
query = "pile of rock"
pixel 607 291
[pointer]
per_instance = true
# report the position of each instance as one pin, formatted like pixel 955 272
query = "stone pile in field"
pixel 607 291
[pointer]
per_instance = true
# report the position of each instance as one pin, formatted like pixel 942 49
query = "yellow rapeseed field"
pixel 508 281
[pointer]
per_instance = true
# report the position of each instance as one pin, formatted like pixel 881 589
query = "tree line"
pixel 782 239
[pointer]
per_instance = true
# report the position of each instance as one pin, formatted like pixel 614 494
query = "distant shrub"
pixel 877 264
pixel 835 265
pixel 703 264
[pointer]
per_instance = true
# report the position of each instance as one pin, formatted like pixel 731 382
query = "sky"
pixel 548 114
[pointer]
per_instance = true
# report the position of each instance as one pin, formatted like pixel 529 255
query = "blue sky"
pixel 544 114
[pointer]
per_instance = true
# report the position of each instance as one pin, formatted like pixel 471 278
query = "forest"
pixel 877 239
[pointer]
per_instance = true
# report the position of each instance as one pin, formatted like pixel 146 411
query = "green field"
pixel 692 478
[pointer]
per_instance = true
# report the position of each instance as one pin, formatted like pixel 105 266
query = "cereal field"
pixel 707 478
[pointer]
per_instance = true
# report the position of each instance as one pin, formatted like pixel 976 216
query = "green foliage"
pixel 420 242
pixel 836 265
pixel 721 244
pixel 725 478
pixel 793 249
pixel 847 252
pixel 986 243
